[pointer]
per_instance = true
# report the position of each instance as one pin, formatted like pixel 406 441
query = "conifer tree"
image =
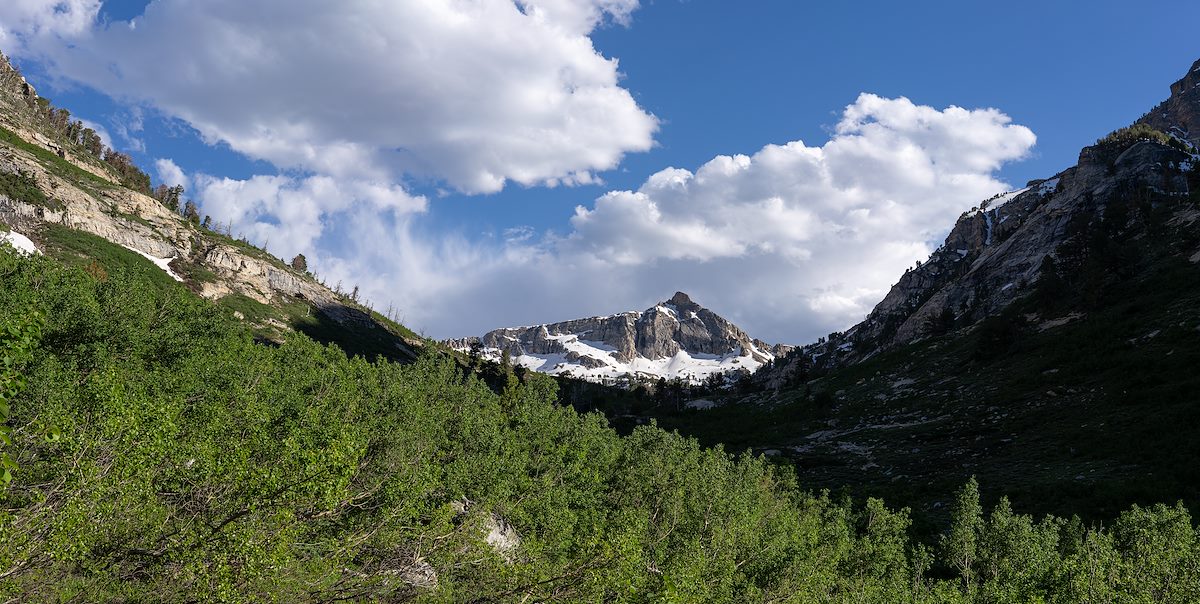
pixel 191 212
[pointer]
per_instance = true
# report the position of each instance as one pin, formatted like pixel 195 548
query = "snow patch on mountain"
pixel 690 367
pixel 1048 187
pixel 21 243
pixel 673 339
pixel 1000 200
pixel 163 263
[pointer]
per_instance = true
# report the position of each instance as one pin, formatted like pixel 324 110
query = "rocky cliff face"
pixel 995 252
pixel 1180 114
pixel 21 112
pixel 675 338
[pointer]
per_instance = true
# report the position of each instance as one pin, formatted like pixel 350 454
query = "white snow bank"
pixel 1000 200
pixel 694 367
pixel 1048 187
pixel 21 243
pixel 163 263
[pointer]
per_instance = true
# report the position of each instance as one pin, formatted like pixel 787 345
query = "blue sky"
pixel 433 221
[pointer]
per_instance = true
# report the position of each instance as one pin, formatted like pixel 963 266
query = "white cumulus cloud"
pixel 792 242
pixel 291 215
pixel 352 99
pixel 25 22
pixel 475 94
pixel 169 173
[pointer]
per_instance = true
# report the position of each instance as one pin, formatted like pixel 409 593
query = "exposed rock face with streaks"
pixel 143 224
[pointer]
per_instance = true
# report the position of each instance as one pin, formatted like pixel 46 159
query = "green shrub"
pixel 1124 137
pixel 21 186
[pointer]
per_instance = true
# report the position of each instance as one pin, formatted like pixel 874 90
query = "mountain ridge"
pixel 996 252
pixel 57 187
pixel 675 338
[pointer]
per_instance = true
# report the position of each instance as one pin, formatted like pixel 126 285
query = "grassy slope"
pixel 268 322
pixel 77 248
pixel 360 340
pixel 81 248
pixel 56 164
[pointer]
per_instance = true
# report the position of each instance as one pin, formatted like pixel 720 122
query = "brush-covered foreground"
pixel 161 455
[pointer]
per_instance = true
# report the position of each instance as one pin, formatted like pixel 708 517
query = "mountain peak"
pixel 681 299
pixel 1180 114
pixel 1189 81
pixel 673 339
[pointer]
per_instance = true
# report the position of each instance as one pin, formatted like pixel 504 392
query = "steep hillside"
pixel 676 338
pixel 998 250
pixel 73 205
pixel 1179 115
pixel 1049 346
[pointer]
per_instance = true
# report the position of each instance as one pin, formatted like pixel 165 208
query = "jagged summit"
pixel 1180 114
pixel 674 338
pixel 682 301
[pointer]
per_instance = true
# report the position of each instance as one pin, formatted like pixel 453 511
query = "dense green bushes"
pixel 196 465
pixel 21 186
